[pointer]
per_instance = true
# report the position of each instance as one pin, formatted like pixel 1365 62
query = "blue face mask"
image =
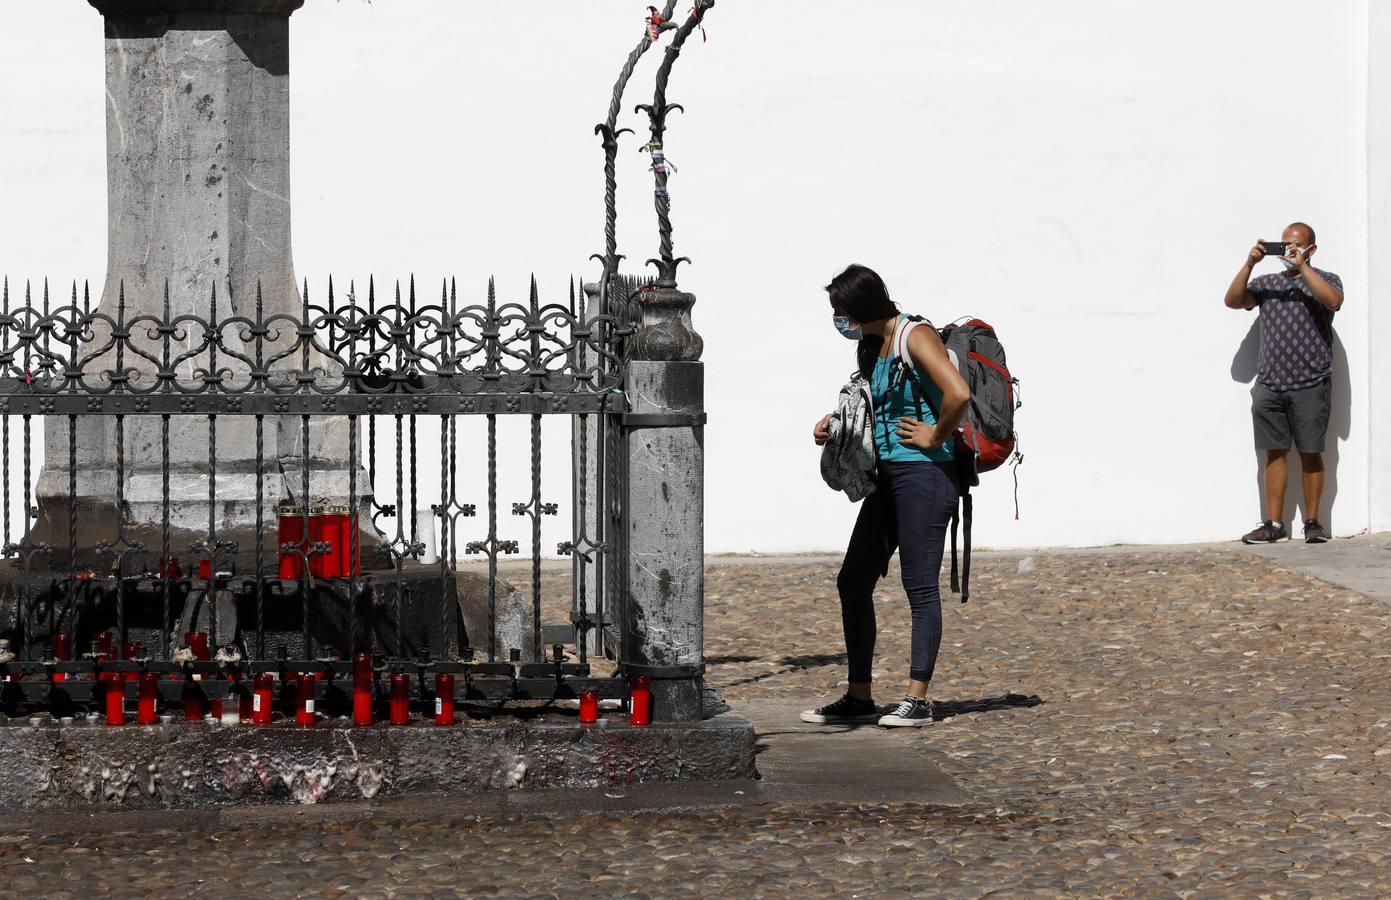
pixel 842 324
pixel 1289 266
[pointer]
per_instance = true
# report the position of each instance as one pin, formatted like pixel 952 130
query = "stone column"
pixel 198 176
pixel 664 625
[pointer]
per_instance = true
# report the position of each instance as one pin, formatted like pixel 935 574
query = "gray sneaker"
pixel 1267 532
pixel 1314 533
pixel 910 713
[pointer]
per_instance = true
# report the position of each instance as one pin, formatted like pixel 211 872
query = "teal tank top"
pixel 893 399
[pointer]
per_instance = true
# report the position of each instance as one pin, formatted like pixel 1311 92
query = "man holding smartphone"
pixel 1292 395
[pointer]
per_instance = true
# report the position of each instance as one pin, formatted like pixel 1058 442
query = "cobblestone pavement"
pixel 1144 724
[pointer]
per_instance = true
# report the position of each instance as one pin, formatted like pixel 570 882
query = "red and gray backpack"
pixel 986 439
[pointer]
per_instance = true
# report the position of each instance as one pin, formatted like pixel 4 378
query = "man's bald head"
pixel 1303 233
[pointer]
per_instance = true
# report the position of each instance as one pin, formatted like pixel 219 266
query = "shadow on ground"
pixel 941 710
pixel 946 709
pixel 788 663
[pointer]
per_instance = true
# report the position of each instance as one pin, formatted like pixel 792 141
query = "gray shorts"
pixel 1282 417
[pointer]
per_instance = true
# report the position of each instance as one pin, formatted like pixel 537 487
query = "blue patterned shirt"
pixel 1296 331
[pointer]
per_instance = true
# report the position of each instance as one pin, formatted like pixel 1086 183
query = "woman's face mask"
pixel 842 324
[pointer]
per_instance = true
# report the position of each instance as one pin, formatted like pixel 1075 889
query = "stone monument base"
pixel 193 764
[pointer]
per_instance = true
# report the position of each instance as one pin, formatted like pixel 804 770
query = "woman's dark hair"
pixel 859 293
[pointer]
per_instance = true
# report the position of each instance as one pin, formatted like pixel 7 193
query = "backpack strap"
pixel 966 505
pixel 901 340
pixel 962 515
pixel 907 367
pixel 955 579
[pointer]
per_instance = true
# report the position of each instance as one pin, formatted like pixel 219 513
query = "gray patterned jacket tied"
pixel 848 458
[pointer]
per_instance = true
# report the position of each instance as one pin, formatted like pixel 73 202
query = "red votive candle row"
pixel 331 525
pixel 257 705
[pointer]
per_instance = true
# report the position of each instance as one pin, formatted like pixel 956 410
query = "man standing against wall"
pixel 1291 397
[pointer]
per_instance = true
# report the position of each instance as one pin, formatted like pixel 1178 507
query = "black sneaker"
pixel 1314 533
pixel 1267 532
pixel 910 713
pixel 846 709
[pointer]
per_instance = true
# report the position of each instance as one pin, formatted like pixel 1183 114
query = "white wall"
pixel 1085 175
pixel 1379 281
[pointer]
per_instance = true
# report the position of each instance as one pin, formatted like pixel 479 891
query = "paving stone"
pixel 1106 751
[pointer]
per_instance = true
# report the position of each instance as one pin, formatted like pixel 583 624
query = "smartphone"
pixel 1275 248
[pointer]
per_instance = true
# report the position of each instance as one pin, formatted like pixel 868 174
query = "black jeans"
pixel 909 510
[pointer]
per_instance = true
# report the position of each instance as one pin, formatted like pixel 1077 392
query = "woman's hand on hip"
pixel 913 433
pixel 822 432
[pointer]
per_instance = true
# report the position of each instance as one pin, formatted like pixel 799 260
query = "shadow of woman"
pixel 946 709
pixel 1339 428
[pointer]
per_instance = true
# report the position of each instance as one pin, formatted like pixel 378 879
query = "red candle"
pixel 134 650
pixel 248 701
pixel 400 699
pixel 115 698
pixel 305 717
pixel 62 650
pixel 193 704
pixel 444 699
pixel 104 646
pixel 205 569
pixel 169 568
pixel 362 690
pixel 332 525
pixel 197 641
pixel 640 712
pixel 149 692
pixel 318 562
pixel 261 702
pixel 589 707
pixel 291 532
pixel 352 556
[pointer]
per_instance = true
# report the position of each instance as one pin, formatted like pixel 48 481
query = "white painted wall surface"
pixel 1379 276
pixel 1085 175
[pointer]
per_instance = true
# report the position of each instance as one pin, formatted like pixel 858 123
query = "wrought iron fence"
pixel 311 583
pixel 339 596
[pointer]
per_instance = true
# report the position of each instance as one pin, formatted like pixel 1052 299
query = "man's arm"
pixel 1238 297
pixel 1325 293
